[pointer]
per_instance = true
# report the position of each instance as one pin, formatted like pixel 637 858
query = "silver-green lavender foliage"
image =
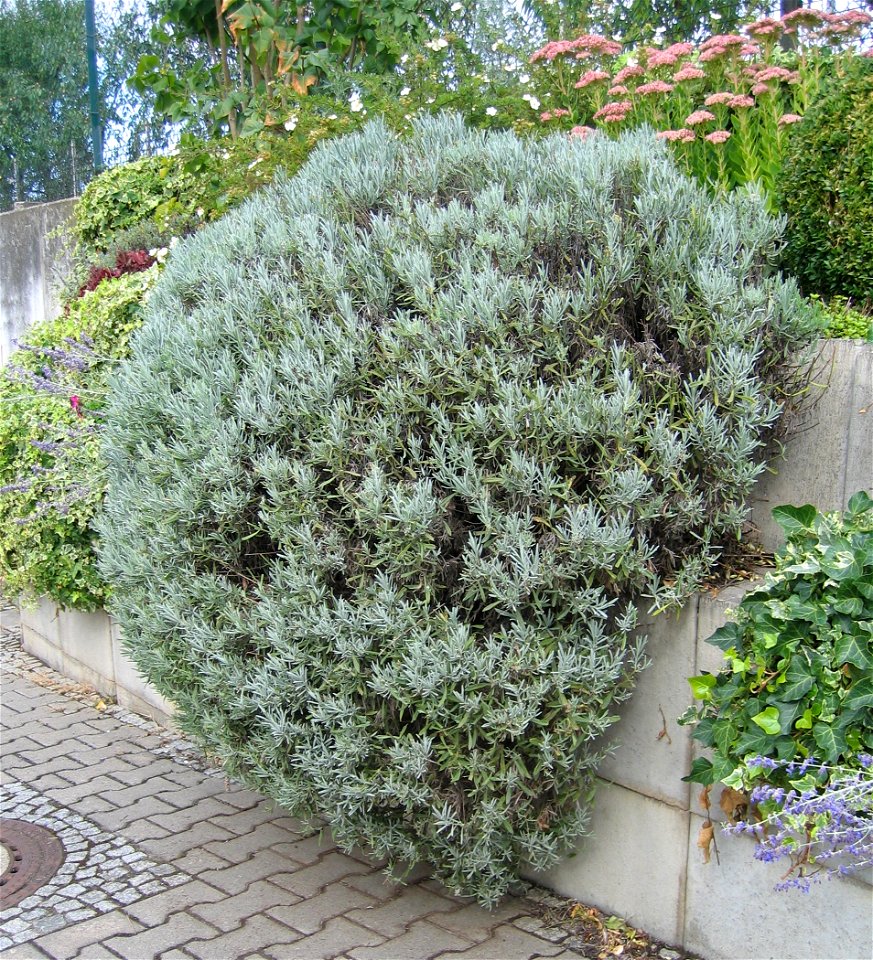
pixel 404 441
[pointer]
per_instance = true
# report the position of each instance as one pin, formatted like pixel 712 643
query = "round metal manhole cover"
pixel 30 855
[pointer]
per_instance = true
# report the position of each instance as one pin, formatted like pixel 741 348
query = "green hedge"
pixel 827 189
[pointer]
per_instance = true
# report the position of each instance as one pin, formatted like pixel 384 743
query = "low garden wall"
pixel 642 862
pixel 86 647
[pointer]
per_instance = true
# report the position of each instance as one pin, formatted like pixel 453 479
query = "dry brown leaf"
pixel 734 804
pixel 704 797
pixel 704 839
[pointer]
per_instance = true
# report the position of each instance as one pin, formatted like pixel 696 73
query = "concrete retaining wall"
pixel 642 862
pixel 32 263
pixel 86 647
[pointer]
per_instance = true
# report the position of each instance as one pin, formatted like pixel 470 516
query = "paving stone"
pixel 311 880
pixel 393 917
pixel 150 943
pixel 337 937
pixel 96 952
pixel 307 849
pixel 234 879
pixel 506 943
pixel 536 926
pixel 229 912
pixel 197 814
pixel 155 910
pixel 420 942
pixel 72 940
pixel 255 934
pixel 197 861
pixel 376 884
pixel 235 850
pixel 311 914
pixel 476 922
pixel 179 843
pixel 25 951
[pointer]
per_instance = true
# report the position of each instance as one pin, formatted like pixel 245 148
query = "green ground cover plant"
pixel 52 394
pixel 401 446
pixel 788 722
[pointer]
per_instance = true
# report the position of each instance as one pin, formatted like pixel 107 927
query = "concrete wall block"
pixel 633 864
pixel 134 692
pixel 85 640
pixel 733 911
pixel 40 635
pixel 654 752
pixel 829 453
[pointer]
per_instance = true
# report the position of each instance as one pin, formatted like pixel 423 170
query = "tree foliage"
pixel 400 444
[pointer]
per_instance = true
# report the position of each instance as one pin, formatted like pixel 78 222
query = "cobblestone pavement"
pixel 166 858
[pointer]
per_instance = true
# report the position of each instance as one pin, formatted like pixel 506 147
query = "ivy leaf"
pixel 730 635
pixel 701 772
pixel 860 503
pixel 795 519
pixel 859 695
pixel 830 740
pixel 701 687
pixel 850 648
pixel 799 680
pixel 768 721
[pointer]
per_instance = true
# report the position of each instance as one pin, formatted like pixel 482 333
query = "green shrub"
pixel 400 444
pixel 840 320
pixel 799 655
pixel 51 492
pixel 827 189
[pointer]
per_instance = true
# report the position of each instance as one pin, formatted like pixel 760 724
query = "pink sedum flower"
pixel 688 73
pixel 773 73
pixel 788 118
pixel 592 76
pixel 761 88
pixel 617 90
pixel 547 115
pixel 741 101
pixel 630 71
pixel 581 133
pixel 765 27
pixel 718 136
pixel 676 136
pixel 723 40
pixel 719 98
pixel 680 49
pixel 655 86
pixel 660 58
pixel 699 116
pixel 614 112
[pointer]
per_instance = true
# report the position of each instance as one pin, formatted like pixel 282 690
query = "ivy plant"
pixel 798 655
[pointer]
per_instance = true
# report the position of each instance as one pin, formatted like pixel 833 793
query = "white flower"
pixel 290 123
pixel 174 242
pixel 430 100
pixel 405 92
pixel 200 211
pixel 332 116
pixel 457 8
pixel 491 111
pixel 355 104
pixel 404 58
pixel 495 46
pixel 407 116
pixel 509 67
pixel 535 104
pixel 524 78
pixel 715 16
pixel 439 44
pixel 225 154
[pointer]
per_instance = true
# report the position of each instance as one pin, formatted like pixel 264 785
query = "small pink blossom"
pixel 761 88
pixel 680 49
pixel 804 17
pixel 617 90
pixel 723 40
pixel 676 136
pixel 750 50
pixel 868 52
pixel 592 76
pixel 699 116
pixel 688 73
pixel 655 86
pixel 718 136
pixel 765 27
pixel 554 114
pixel 718 98
pixel 630 71
pixel 741 101
pixel 614 112
pixel 582 133
pixel 660 58
pixel 773 73
pixel 712 54
pixel 788 118
pixel 76 405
